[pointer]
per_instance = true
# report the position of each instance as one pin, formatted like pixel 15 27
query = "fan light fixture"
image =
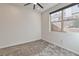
pixel 34 4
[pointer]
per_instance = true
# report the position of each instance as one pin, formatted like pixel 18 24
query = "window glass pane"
pixel 71 19
pixel 71 26
pixel 71 12
pixel 67 12
pixel 75 9
pixel 56 26
pixel 56 16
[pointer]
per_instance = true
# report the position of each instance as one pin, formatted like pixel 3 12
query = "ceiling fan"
pixel 34 4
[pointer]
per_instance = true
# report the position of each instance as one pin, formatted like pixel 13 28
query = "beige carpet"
pixel 36 48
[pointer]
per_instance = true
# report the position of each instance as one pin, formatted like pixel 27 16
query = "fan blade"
pixel 39 5
pixel 27 4
pixel 34 6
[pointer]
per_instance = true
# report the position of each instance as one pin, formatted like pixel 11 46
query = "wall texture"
pixel 68 40
pixel 18 24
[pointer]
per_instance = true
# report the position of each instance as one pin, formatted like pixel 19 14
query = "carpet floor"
pixel 36 48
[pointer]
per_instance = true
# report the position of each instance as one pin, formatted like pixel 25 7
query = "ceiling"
pixel 45 5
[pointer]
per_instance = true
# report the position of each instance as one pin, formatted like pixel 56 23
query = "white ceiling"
pixel 45 5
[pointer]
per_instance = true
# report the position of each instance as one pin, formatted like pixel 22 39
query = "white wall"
pixel 18 24
pixel 66 40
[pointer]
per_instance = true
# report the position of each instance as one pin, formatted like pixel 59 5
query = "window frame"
pixel 62 20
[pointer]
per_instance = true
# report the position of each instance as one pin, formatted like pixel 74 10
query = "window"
pixel 66 19
pixel 56 21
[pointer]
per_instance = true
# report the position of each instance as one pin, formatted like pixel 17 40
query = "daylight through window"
pixel 66 20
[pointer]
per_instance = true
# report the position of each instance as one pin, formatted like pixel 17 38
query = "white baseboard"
pixel 18 43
